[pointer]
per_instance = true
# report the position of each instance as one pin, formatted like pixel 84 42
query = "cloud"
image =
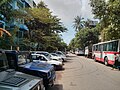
pixel 67 10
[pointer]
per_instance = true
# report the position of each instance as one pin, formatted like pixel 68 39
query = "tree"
pixel 3 2
pixel 78 23
pixel 71 45
pixel 108 14
pixel 44 27
pixel 42 5
pixel 5 9
pixel 86 36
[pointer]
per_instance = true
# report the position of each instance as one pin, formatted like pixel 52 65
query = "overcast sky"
pixel 67 10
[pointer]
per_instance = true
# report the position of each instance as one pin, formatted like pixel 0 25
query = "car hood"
pixel 56 57
pixel 38 66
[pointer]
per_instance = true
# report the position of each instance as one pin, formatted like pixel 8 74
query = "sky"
pixel 67 10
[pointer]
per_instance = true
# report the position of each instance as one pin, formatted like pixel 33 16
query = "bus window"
pixel 105 47
pixel 93 48
pixel 96 48
pixel 101 47
pixel 115 46
pixel 109 46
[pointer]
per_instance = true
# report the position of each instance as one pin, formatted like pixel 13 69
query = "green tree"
pixel 78 23
pixel 108 14
pixel 44 27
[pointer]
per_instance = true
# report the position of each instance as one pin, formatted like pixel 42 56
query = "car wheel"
pixel 106 61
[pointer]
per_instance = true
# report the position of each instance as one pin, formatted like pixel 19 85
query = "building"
pixel 29 3
pixel 92 24
pixel 17 22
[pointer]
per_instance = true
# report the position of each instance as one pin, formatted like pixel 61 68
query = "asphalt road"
pixel 84 74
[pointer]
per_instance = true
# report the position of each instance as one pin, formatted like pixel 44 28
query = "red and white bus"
pixel 107 51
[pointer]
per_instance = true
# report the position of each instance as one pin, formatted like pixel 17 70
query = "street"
pixel 81 73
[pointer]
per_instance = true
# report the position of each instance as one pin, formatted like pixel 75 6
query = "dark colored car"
pixel 21 62
pixel 13 80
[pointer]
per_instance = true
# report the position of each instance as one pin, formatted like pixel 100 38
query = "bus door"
pixel 101 52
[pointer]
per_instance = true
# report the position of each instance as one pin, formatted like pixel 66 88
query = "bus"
pixel 79 51
pixel 106 52
pixel 88 51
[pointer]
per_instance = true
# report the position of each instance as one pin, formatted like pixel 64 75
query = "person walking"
pixel 116 64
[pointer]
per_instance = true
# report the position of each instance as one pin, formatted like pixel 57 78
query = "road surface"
pixel 84 74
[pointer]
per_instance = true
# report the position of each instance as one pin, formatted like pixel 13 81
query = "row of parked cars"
pixel 34 70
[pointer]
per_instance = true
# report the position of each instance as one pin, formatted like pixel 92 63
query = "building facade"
pixel 22 29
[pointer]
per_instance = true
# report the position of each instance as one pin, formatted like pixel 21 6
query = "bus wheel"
pixel 106 61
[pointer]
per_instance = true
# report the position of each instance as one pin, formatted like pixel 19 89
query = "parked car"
pixel 22 63
pixel 44 59
pixel 50 55
pixel 13 80
pixel 47 54
pixel 54 56
pixel 62 55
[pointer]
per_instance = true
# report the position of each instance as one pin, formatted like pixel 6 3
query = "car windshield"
pixel 44 53
pixel 35 57
pixel 59 53
pixel 54 54
pixel 47 55
pixel 3 61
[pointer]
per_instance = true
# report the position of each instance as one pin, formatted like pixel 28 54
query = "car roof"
pixel 37 54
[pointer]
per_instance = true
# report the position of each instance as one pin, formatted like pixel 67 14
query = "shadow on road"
pixel 72 56
pixel 56 87
pixel 68 59
pixel 62 69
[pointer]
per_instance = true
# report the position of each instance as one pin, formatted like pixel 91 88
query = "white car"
pixel 63 56
pixel 44 59
pixel 54 56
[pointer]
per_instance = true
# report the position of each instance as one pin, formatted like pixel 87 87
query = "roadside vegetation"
pixel 108 27
pixel 44 28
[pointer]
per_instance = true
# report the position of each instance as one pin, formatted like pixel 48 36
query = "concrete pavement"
pixel 84 74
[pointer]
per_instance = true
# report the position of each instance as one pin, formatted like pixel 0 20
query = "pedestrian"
pixel 116 64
